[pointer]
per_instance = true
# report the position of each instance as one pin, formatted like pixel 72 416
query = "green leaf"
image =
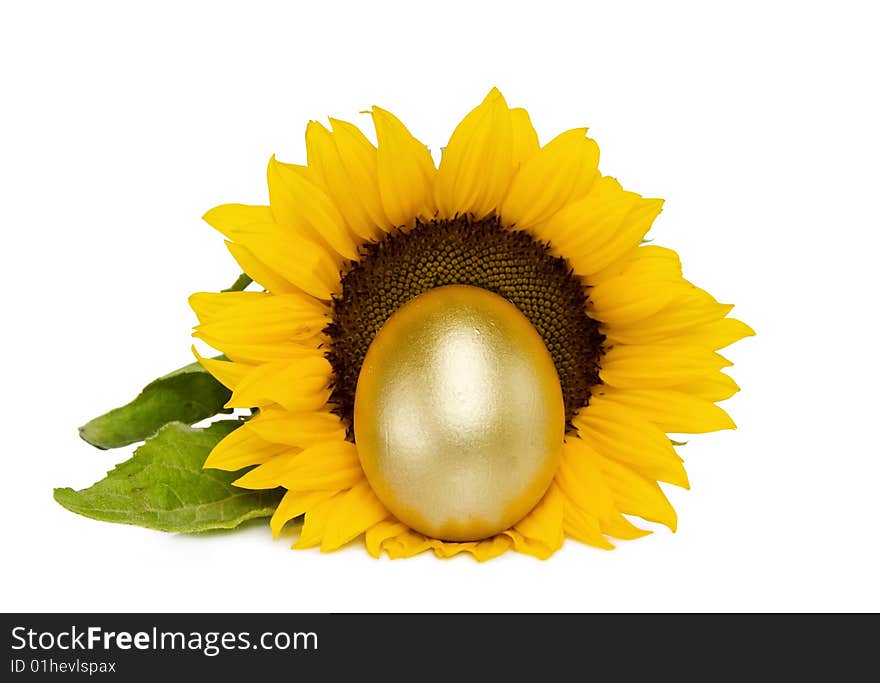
pixel 163 486
pixel 186 395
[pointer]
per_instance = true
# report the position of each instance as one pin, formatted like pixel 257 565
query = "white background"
pixel 758 123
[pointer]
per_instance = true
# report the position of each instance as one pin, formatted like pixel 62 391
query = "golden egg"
pixel 458 414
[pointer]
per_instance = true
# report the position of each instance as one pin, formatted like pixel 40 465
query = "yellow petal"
pixel 525 139
pixel 303 207
pixel 209 306
pixel 326 466
pixel 541 533
pixel 379 533
pixel 355 511
pixel 634 494
pixel 228 218
pixel 407 544
pixel 294 504
pixel 300 261
pixel 265 317
pixel 691 308
pixel 260 272
pixel 619 433
pixel 477 164
pixel 715 386
pixel 588 498
pixel 447 549
pixel 360 160
pixel 597 230
pixel 228 374
pixel 584 527
pixel 266 474
pixel 650 281
pixel 314 523
pixel 670 410
pixel 298 384
pixel 658 365
pixel 406 171
pixel 480 550
pixel 491 548
pixel 242 448
pixel 288 249
pixel 331 173
pixel 623 305
pixel 663 263
pixel 628 236
pixel 266 352
pixel 297 429
pixel 713 335
pixel 562 172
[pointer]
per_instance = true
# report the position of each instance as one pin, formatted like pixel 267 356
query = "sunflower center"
pixel 463 251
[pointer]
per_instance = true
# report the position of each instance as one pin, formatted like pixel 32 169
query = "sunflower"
pixel 477 357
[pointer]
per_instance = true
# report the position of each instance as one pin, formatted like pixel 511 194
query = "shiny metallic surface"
pixel 458 414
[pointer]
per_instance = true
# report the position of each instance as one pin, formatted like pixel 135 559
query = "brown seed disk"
pixel 463 251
